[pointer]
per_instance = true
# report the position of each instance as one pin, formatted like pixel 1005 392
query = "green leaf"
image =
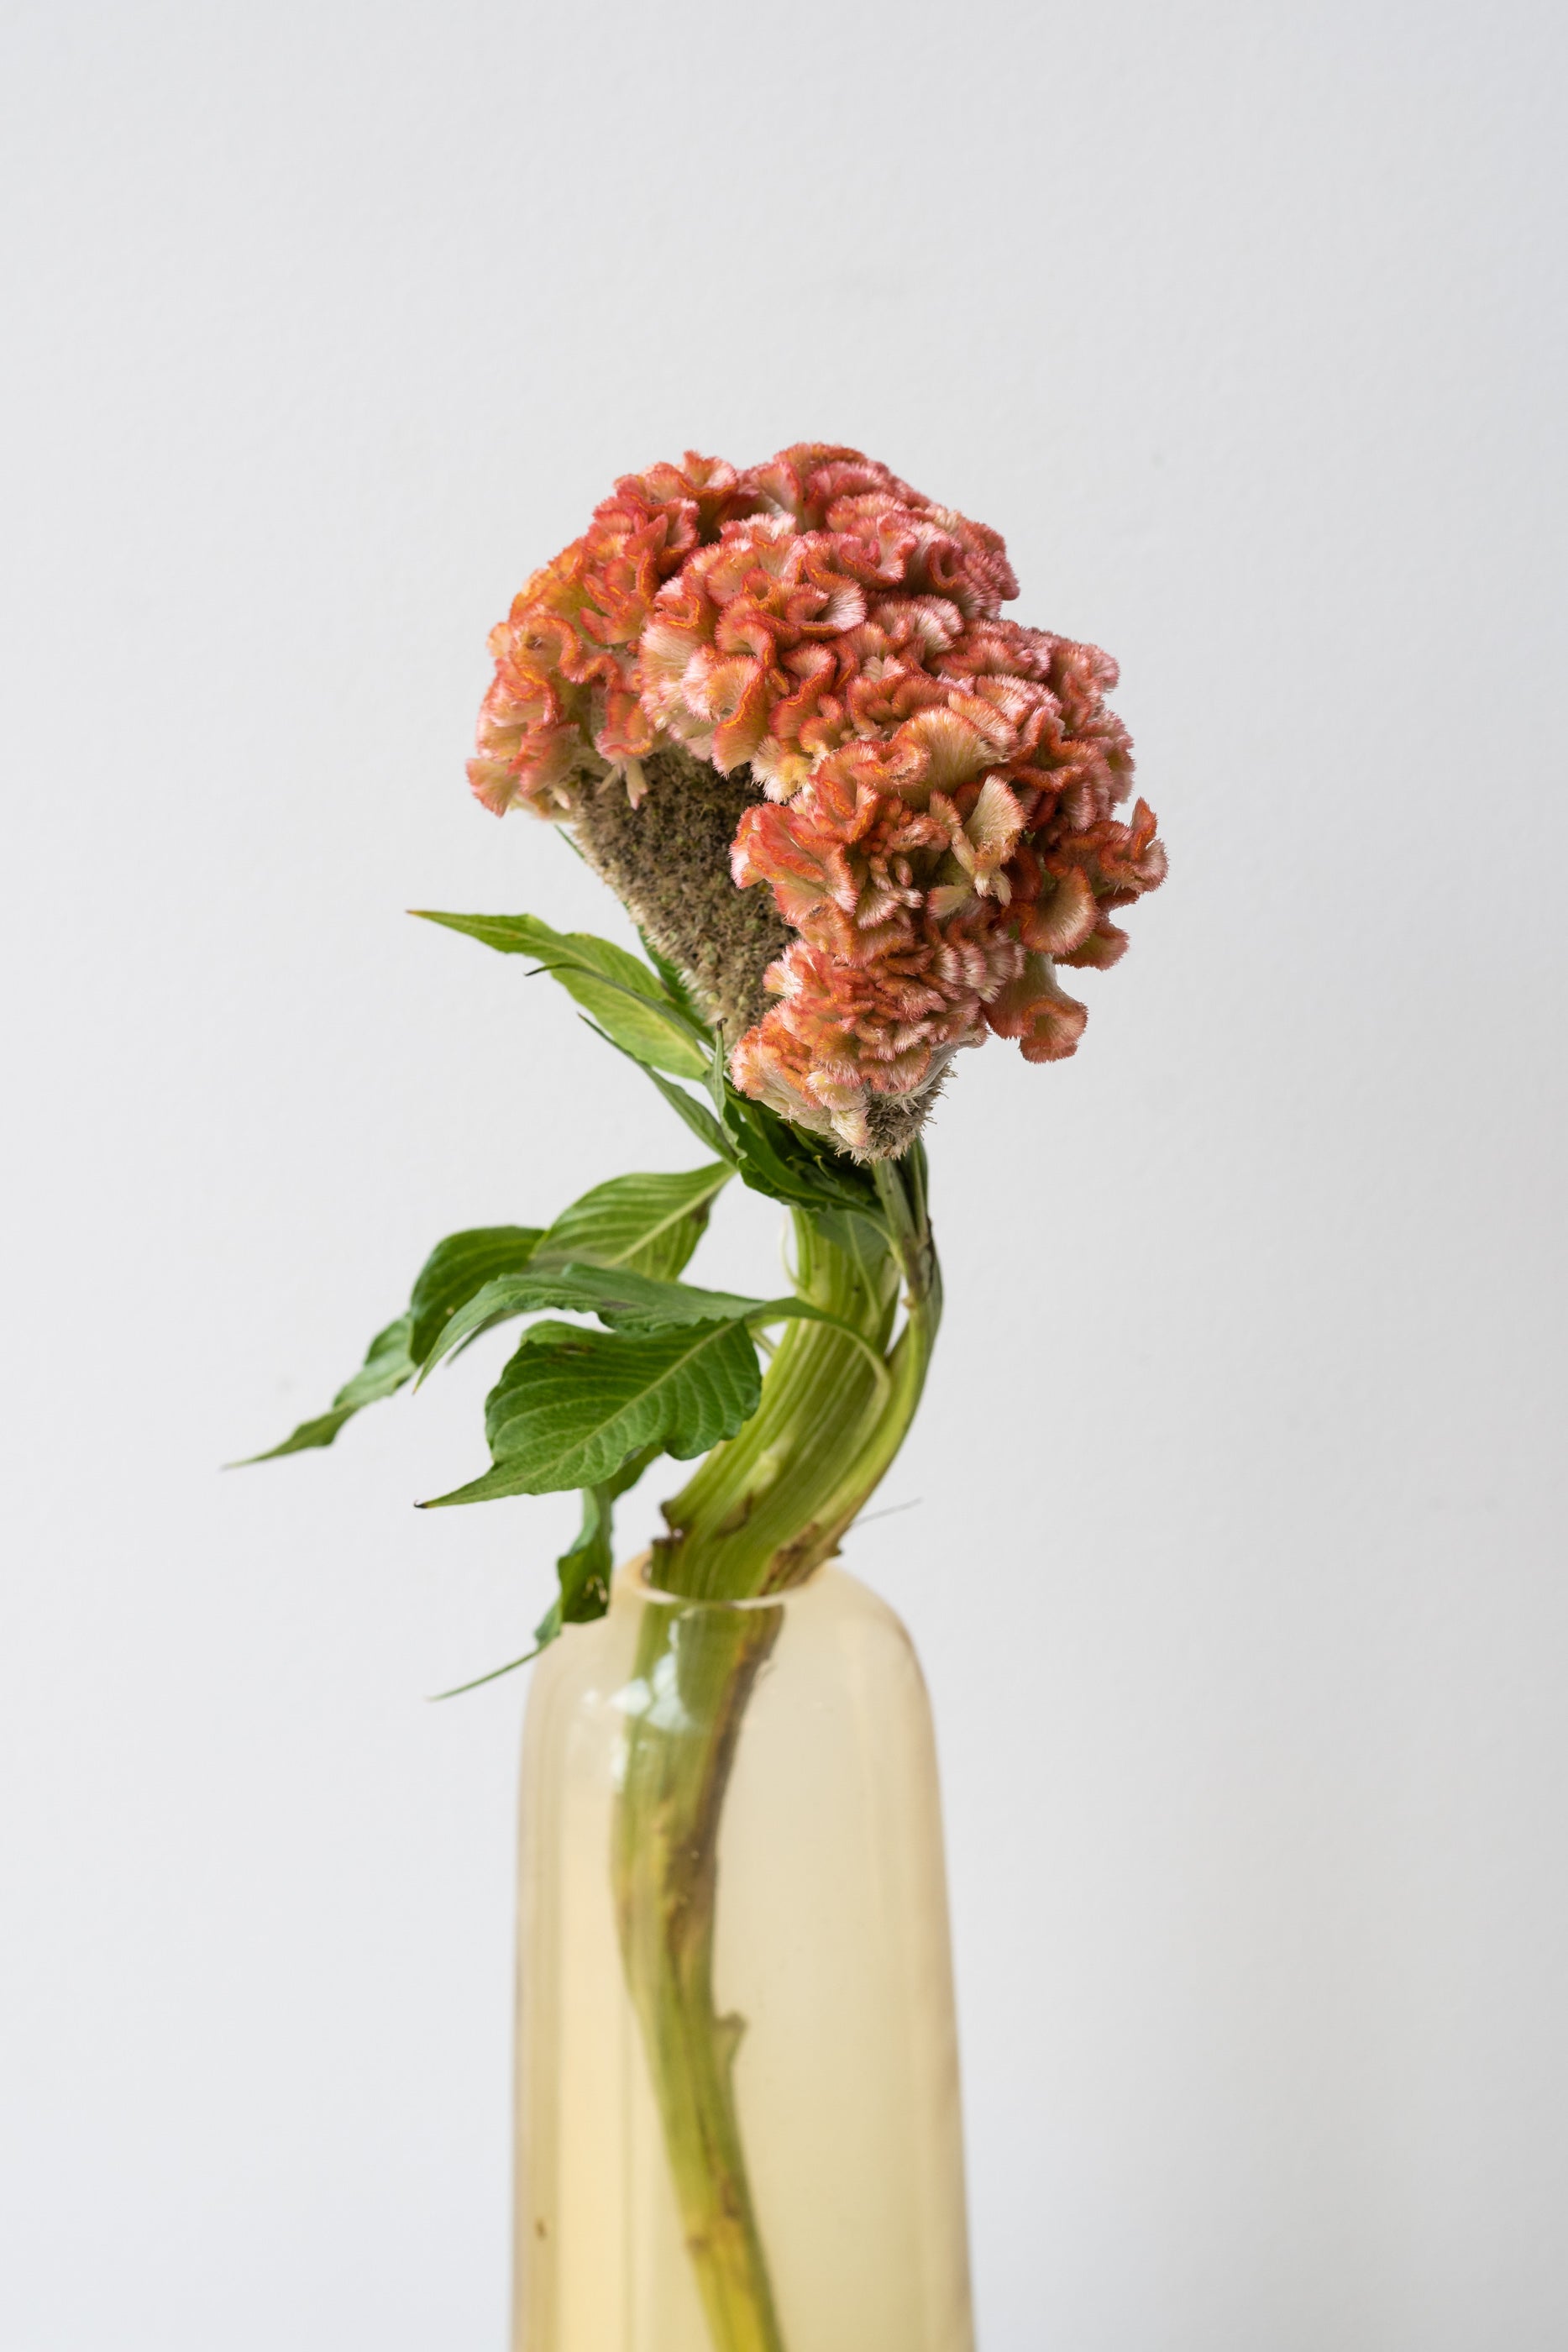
pixel 386 1368
pixel 459 1689
pixel 457 1267
pixel 651 1224
pixel 628 1000
pixel 783 1162
pixel 630 1470
pixel 696 1115
pixel 573 1404
pixel 617 1294
pixel 771 1156
pixel 584 1573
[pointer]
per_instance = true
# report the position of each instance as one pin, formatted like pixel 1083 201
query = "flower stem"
pixel 759 1515
pixel 699 1667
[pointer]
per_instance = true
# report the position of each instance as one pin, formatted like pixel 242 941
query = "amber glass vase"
pixel 737 2079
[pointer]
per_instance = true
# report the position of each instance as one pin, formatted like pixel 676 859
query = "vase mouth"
pixel 632 1583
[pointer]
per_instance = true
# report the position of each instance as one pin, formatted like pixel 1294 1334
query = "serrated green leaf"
pixel 457 1267
pixel 651 1224
pixel 387 1367
pixel 627 999
pixel 572 1404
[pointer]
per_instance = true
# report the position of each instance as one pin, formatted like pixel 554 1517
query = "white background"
pixel 1237 1565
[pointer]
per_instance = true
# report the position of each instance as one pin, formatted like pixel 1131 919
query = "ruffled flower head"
pixel 928 791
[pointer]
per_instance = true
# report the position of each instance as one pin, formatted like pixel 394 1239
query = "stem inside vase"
pixel 697 1669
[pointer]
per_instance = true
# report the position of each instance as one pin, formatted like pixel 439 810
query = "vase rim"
pixel 632 1580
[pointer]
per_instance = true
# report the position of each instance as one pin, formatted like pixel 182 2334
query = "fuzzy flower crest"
pixel 938 786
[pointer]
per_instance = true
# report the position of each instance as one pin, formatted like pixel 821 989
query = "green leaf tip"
pixel 388 1366
pixel 455 1269
pixel 494 1675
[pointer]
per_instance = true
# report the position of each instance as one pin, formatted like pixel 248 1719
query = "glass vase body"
pixel 830 1964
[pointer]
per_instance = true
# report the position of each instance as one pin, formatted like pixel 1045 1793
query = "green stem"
pixel 696 1668
pixel 761 1512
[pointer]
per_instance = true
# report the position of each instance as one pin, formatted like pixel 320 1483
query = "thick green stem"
pixel 760 1513
pixel 749 1521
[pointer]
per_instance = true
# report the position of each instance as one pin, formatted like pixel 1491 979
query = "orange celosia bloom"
pixel 939 824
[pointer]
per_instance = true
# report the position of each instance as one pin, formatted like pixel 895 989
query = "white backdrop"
pixel 1236 1567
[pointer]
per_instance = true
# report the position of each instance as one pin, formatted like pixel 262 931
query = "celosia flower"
pixel 927 791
